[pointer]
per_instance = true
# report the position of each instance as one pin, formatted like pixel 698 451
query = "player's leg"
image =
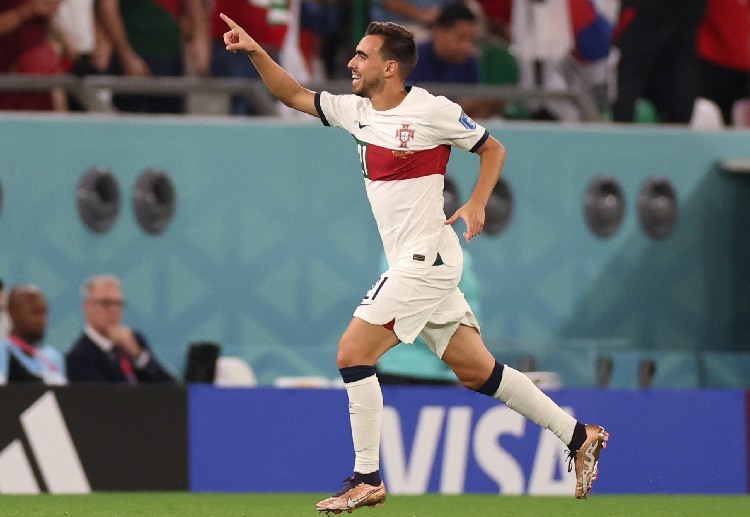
pixel 360 347
pixel 478 370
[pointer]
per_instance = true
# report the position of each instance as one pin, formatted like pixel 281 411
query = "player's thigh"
pixel 363 343
pixel 468 357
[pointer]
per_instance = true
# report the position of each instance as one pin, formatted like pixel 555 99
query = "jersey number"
pixel 375 289
pixel 362 151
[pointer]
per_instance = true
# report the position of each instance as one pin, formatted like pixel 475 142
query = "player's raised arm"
pixel 282 85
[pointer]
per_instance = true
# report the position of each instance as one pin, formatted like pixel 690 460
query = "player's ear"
pixel 391 68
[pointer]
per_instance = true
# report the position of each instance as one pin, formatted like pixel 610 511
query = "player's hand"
pixel 236 39
pixel 473 215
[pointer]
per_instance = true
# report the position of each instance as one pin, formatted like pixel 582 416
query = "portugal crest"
pixel 404 134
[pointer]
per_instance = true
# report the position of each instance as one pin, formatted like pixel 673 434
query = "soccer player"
pixel 404 138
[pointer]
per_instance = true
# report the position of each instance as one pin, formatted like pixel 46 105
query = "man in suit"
pixel 109 351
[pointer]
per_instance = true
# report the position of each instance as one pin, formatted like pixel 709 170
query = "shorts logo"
pixel 404 135
pixel 466 121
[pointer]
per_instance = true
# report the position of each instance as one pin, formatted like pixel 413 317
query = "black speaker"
pixel 604 206
pixel 154 200
pixel 201 362
pixel 98 199
pixel 658 207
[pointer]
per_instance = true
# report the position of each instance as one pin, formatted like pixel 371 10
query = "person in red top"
pixel 724 53
pixel 270 27
pixel 24 48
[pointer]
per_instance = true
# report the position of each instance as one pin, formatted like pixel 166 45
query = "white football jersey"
pixel 404 152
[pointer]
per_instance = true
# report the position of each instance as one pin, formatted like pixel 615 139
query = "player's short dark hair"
pixel 398 45
pixel 454 13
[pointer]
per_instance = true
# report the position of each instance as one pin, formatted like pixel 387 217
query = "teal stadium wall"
pixel 273 243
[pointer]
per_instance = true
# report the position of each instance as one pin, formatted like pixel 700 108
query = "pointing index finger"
pixel 228 20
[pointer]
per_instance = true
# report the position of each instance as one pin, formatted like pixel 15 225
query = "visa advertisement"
pixel 451 440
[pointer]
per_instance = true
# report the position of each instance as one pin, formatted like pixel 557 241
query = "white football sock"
pixel 523 396
pixel 365 415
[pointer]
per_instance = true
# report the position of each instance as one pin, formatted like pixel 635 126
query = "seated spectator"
pixel 25 49
pixel 449 56
pixel 109 351
pixel 22 355
pixel 156 38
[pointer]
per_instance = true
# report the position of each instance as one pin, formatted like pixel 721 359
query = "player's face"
pixel 368 67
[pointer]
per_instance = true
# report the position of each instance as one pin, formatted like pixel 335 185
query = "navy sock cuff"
pixel 579 436
pixel 356 373
pixel 493 383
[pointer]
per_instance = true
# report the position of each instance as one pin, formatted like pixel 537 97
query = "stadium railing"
pixel 212 96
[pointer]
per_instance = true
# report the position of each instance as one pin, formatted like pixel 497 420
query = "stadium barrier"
pixel 79 439
pixel 212 96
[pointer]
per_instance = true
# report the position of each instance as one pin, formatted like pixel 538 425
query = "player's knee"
pixel 471 380
pixel 346 356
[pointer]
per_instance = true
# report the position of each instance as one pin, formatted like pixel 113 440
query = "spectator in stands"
pixel 269 24
pixel 561 46
pixel 724 54
pixel 656 41
pixel 85 49
pixel 109 351
pixel 22 355
pixel 416 15
pixel 156 38
pixel 25 49
pixel 449 56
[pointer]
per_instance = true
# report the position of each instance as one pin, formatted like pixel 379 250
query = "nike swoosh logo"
pixel 362 126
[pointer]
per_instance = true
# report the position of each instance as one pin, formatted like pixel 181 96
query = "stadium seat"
pixel 672 369
pixel 741 113
pixel 497 65
pixel 234 371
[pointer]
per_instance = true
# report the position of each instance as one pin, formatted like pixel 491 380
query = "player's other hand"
pixel 473 215
pixel 236 39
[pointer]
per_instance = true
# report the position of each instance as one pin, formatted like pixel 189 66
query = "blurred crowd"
pixel 634 60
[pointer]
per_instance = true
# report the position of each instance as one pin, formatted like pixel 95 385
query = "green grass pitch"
pixel 291 505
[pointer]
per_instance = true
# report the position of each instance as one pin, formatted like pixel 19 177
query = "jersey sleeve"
pixel 336 110
pixel 452 126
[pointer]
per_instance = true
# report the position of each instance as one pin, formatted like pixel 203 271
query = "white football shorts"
pixel 420 300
